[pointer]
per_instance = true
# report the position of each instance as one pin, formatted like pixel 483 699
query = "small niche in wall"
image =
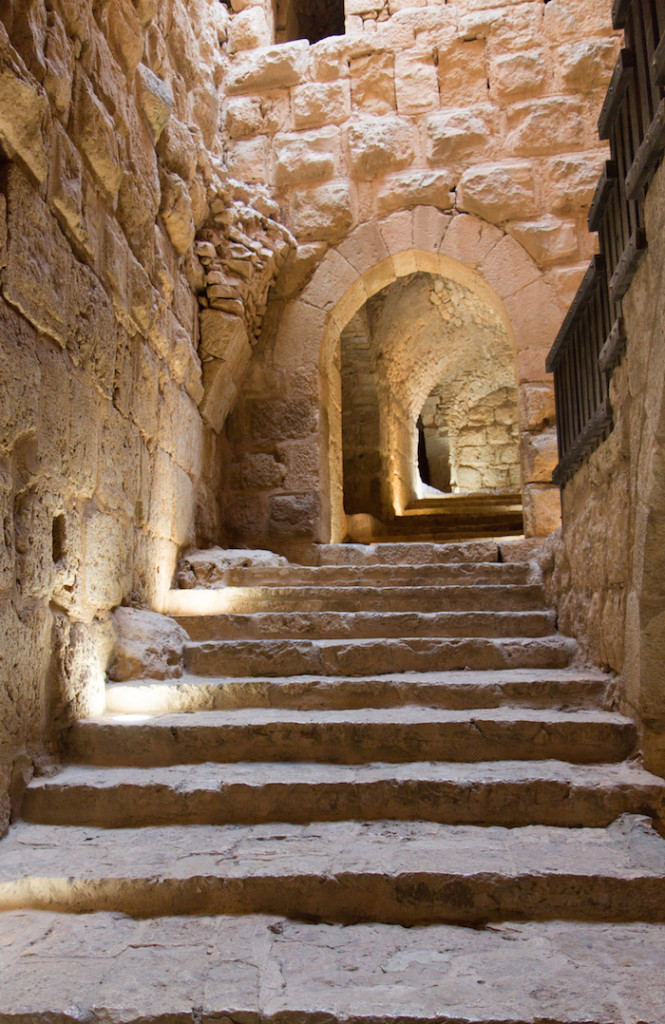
pixel 308 19
pixel 58 539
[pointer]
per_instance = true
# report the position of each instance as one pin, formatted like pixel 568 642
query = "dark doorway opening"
pixel 308 19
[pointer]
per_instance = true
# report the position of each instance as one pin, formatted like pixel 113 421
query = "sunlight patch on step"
pixel 213 602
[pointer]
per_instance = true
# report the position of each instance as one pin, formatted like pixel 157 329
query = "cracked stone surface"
pixel 102 967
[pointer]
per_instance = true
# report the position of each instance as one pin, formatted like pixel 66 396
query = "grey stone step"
pixel 331 625
pixel 60 967
pixel 393 735
pixel 515 597
pixel 440 574
pixel 506 793
pixel 355 657
pixel 553 688
pixel 393 872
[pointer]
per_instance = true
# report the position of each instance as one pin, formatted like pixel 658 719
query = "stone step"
pixel 355 657
pixel 393 872
pixel 395 735
pixel 439 527
pixel 60 967
pixel 506 793
pixel 330 625
pixel 246 600
pixel 437 574
pixel 538 688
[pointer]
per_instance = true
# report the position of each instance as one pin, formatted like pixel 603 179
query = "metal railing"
pixel 592 339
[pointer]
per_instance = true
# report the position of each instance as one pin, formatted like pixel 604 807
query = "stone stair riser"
pixel 358 657
pixel 353 742
pixel 408 898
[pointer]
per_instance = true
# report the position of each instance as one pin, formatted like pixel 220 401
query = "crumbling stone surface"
pixel 148 646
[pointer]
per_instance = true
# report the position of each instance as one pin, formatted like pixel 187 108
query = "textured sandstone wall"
pixel 423 114
pixel 608 568
pixel 110 152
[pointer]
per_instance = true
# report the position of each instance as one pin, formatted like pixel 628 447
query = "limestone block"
pixel 416 84
pixel 429 227
pixel 508 268
pixel 531 365
pixel 305 156
pixel 535 315
pixel 66 181
pixel 397 231
pixel 324 212
pixel 277 66
pixel 245 518
pixel 588 64
pixel 364 248
pixel 23 111
pixel 330 281
pixel 156 100
pixel 248 30
pixel 463 72
pixel 518 74
pixel 259 471
pixel 546 125
pixel 576 20
pixel 453 133
pixel 247 161
pixel 148 646
pixel 266 422
pixel 573 179
pixel 498 192
pixel 294 515
pixel 352 7
pixel 96 137
pixel 539 456
pixel 548 240
pixel 176 211
pixel 298 268
pixel 377 145
pixel 36 243
pixel 33 518
pixel 107 560
pixel 177 147
pixel 542 510
pixel 319 103
pixel 220 390
pixel 124 33
pixel 300 332
pixel 119 454
pixel 536 404
pixel 224 337
pixel 470 240
pixel 415 188
pixel 59 57
pixel 373 83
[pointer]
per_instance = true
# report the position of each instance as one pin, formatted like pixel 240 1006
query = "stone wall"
pixel 109 117
pixel 424 113
pixel 607 570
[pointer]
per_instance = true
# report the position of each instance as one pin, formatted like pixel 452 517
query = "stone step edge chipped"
pixel 395 735
pixel 397 873
pixel 496 793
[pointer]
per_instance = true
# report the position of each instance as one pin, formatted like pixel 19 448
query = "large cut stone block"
pixel 378 145
pixel 325 212
pixel 498 192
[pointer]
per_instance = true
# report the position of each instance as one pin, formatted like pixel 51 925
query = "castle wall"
pixel 429 112
pixel 110 150
pixel 607 570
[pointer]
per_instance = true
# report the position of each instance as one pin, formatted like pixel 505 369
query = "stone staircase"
pixel 382 790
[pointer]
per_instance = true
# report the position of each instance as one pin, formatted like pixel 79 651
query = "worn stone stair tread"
pixel 358 656
pixel 460 690
pixel 332 625
pixel 354 736
pixel 307 598
pixel 259 968
pixel 195 693
pixel 500 792
pixel 349 871
pixel 379 574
